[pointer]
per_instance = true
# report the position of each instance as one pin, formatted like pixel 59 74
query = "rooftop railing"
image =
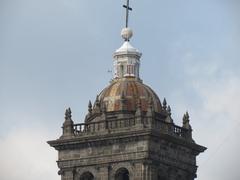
pixel 129 124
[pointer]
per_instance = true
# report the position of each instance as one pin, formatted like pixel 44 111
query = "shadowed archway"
pixel 87 176
pixel 122 174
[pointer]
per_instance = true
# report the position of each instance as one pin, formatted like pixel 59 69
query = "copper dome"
pixel 128 94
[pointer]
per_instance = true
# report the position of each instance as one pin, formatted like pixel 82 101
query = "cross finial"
pixel 127 12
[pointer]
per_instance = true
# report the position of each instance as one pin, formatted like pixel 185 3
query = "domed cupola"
pixel 128 94
pixel 126 91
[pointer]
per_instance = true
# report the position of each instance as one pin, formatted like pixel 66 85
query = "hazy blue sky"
pixel 57 53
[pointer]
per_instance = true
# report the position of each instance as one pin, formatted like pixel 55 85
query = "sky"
pixel 56 54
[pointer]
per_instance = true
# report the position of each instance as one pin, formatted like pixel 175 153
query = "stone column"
pixel 151 172
pixel 138 173
pixel 103 173
pixel 67 175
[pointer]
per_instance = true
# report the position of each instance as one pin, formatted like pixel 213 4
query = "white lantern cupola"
pixel 126 58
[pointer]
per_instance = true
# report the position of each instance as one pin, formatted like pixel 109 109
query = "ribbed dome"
pixel 128 94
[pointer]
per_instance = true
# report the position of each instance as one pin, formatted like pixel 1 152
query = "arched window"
pixel 87 176
pixel 122 174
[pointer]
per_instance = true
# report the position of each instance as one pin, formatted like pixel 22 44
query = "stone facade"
pixel 126 145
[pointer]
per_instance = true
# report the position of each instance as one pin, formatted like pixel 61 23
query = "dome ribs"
pixel 124 94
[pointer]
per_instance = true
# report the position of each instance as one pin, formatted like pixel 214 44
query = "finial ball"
pixel 126 34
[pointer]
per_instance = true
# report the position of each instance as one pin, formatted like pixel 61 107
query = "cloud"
pixel 220 114
pixel 215 118
pixel 223 97
pixel 25 155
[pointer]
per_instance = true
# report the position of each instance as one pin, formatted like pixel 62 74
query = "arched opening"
pixel 121 70
pixel 87 176
pixel 122 174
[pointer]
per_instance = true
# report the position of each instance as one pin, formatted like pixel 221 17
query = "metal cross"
pixel 127 12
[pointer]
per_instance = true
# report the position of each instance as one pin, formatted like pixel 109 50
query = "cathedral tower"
pixel 128 133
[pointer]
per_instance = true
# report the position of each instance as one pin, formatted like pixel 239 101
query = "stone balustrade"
pixel 130 123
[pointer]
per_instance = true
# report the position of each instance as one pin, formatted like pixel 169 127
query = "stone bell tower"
pixel 128 133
